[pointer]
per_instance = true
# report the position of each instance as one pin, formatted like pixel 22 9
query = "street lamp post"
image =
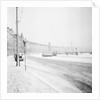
pixel 24 42
pixel 17 62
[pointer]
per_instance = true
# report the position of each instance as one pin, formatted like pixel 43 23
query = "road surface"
pixel 63 76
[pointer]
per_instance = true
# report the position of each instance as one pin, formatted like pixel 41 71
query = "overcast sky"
pixel 60 26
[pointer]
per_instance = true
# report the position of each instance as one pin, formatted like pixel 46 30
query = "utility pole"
pixel 17 62
pixel 24 41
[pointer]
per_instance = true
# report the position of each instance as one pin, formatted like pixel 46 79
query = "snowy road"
pixel 50 75
pixel 63 76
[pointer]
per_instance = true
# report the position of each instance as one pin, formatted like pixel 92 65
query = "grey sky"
pixel 59 25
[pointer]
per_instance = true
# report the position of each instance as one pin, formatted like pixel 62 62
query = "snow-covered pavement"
pixel 49 75
pixel 21 81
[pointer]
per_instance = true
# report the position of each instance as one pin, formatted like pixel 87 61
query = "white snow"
pixel 51 77
pixel 21 81
pixel 36 79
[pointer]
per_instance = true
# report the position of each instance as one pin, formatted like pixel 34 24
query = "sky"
pixel 61 26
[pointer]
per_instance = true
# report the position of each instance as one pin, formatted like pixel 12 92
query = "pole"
pixel 24 41
pixel 14 45
pixel 25 54
pixel 25 62
pixel 17 62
